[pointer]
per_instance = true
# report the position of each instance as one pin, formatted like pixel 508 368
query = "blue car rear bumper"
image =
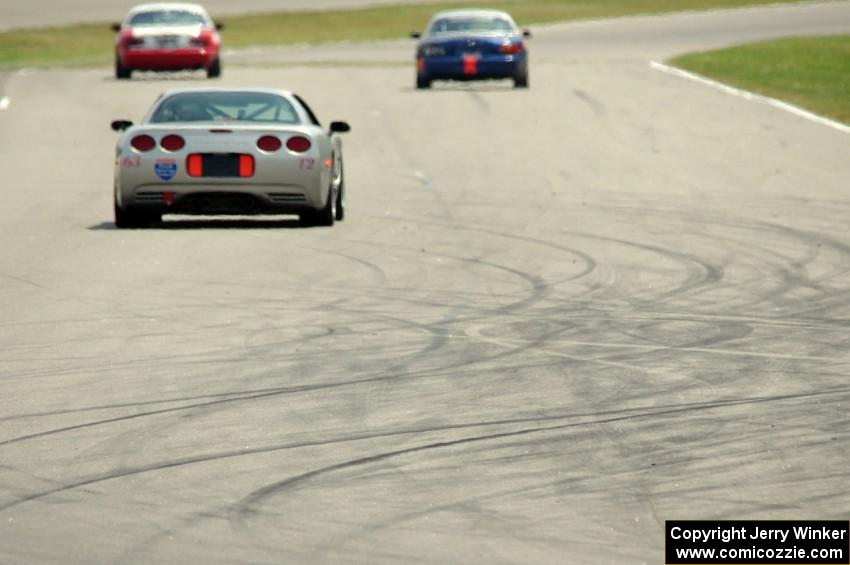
pixel 469 68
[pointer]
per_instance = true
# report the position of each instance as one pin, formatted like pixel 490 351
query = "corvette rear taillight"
pixel 510 48
pixel 298 144
pixel 172 142
pixel 269 143
pixel 246 166
pixel 194 165
pixel 143 143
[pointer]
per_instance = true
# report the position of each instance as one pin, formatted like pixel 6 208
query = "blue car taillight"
pixel 511 48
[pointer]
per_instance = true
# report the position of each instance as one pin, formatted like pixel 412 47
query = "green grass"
pixel 82 44
pixel 811 72
pixel 92 44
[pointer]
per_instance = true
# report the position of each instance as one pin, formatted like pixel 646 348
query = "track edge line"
pixel 750 96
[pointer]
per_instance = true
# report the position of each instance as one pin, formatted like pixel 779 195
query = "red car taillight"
pixel 510 48
pixel 143 143
pixel 134 41
pixel 203 40
pixel 298 144
pixel 172 142
pixel 269 143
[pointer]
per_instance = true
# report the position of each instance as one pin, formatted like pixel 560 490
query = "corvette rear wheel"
pixel 340 195
pixel 327 215
pixel 340 204
pixel 134 219
pixel 121 72
pixel 422 81
pixel 215 69
pixel 323 217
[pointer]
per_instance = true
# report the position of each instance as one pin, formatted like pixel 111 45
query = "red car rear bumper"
pixel 167 59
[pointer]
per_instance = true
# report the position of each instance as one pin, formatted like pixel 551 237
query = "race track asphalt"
pixel 552 319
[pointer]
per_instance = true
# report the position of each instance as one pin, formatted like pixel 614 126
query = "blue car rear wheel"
pixel 521 80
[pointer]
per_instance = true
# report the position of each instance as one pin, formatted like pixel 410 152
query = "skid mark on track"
pixel 21 280
pixel 594 104
pixel 779 257
pixel 507 342
pixel 479 101
pixel 378 273
pixel 589 263
pixel 831 296
pixel 699 272
pixel 246 505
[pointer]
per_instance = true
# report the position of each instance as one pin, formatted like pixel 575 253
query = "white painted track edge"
pixel 751 96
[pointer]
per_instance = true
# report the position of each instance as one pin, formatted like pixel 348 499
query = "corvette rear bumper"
pixel 225 203
pixel 223 198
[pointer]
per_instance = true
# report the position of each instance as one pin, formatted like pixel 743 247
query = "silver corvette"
pixel 216 151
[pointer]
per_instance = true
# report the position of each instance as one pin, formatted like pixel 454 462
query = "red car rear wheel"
pixel 121 72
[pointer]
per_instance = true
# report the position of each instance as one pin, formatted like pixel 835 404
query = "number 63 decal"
pixel 306 163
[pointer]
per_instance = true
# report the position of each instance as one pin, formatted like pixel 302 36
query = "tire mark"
pixel 247 502
pixel 246 506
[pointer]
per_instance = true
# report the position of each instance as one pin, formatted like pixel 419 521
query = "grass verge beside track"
pixel 810 72
pixel 92 44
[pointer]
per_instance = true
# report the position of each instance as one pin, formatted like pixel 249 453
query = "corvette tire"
pixel 325 216
pixel 340 196
pixel 340 204
pixel 134 219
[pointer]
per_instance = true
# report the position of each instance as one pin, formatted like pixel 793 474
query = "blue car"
pixel 472 45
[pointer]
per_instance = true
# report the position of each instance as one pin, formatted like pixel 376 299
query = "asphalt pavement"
pixel 551 320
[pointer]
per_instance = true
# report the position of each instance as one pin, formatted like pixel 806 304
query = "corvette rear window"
pixel 167 18
pixel 251 107
pixel 457 25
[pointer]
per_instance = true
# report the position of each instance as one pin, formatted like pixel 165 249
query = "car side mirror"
pixel 219 26
pixel 121 125
pixel 340 127
pixel 526 33
pixel 115 27
pixel 415 34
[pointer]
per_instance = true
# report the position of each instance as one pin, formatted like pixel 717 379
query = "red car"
pixel 167 37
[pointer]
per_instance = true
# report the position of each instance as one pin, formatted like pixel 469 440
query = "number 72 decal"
pixel 306 163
